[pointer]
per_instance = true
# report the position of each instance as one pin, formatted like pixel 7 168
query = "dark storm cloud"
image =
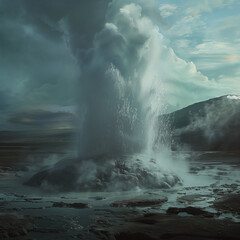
pixel 39 45
pixel 82 18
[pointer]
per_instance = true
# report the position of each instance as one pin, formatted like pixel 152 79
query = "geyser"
pixel 121 97
pixel 121 86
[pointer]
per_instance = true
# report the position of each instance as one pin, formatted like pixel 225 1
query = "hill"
pixel 212 125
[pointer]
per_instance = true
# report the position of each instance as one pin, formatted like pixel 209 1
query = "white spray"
pixel 122 94
pixel 122 86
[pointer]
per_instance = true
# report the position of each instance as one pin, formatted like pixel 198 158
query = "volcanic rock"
pixel 15 225
pixel 138 202
pixel 228 203
pixel 71 205
pixel 190 210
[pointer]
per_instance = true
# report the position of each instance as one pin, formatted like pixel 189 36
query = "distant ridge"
pixel 209 125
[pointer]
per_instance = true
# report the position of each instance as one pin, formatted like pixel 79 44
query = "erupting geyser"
pixel 121 86
pixel 121 97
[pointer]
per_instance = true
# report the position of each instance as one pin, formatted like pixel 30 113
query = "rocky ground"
pixel 205 208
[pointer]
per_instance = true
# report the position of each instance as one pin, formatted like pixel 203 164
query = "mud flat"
pixel 162 226
pixel 207 208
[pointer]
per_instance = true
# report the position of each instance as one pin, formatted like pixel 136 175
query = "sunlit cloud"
pixel 167 10
pixel 232 58
pixel 206 6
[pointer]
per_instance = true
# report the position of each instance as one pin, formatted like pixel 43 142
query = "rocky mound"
pixel 104 173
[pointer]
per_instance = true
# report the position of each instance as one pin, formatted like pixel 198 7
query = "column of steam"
pixel 121 86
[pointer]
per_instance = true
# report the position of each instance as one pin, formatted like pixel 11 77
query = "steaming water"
pixel 122 88
pixel 121 96
pixel 124 91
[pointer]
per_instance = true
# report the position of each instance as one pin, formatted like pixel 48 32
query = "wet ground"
pixel 205 206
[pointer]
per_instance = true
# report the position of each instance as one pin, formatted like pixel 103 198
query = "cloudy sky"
pixel 45 47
